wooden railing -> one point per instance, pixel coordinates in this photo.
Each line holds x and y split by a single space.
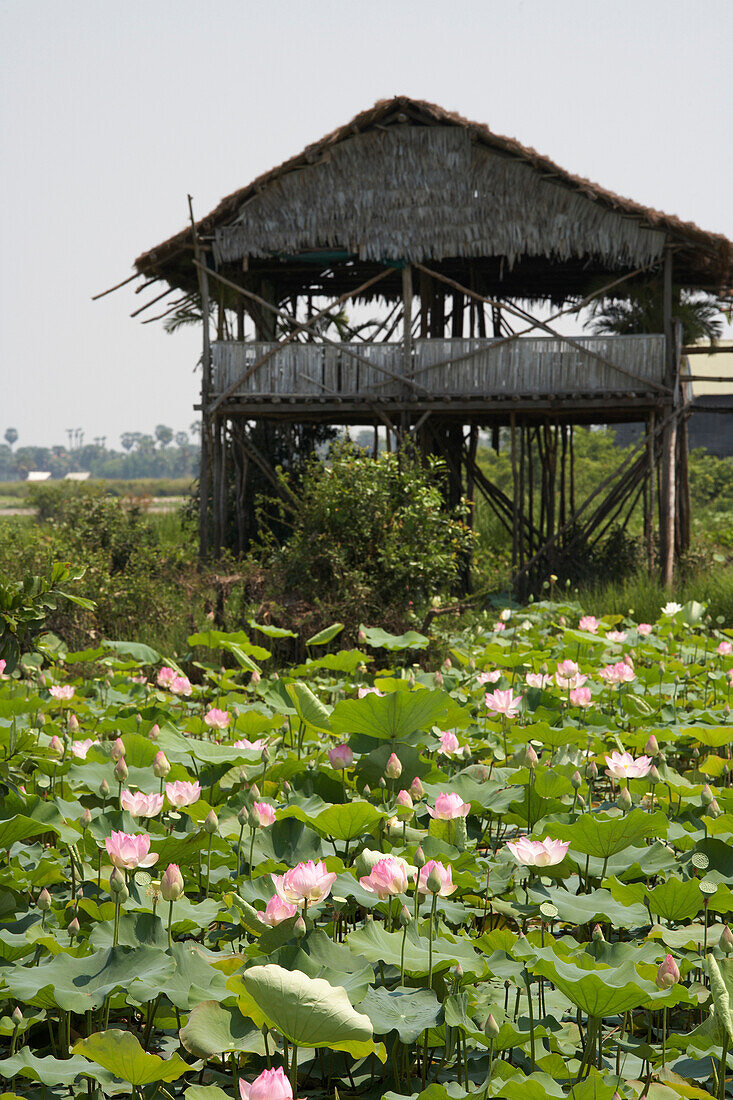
529 366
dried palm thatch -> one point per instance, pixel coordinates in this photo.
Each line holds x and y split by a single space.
409 180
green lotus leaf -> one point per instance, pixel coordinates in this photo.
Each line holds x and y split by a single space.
309 1012
50 1071
20 827
378 945
213 1028
120 1053
381 639
393 717
205 1092
346 660
676 899
605 835
407 1011
720 973
601 991
308 708
319 957
326 635
348 821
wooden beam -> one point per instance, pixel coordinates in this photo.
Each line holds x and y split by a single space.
205 383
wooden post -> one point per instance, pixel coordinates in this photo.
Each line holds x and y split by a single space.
683 488
668 502
205 393
407 320
515 493
651 480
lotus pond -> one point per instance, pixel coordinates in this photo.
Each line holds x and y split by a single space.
506 876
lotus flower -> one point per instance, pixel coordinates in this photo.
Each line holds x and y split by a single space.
404 799
388 877
141 805
181 685
166 676
448 807
537 679
63 692
644 629
81 748
56 745
581 697
442 873
668 973
272 1084
620 673
2 669
616 636
369 691
171 884
340 757
489 677
671 608
724 649
265 812
306 883
449 744
128 851
393 770
498 627
276 911
621 765
182 793
217 719
503 702
589 623
538 853
257 745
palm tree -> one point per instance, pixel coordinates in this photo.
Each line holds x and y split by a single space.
11 436
643 311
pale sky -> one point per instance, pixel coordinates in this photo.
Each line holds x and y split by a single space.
110 113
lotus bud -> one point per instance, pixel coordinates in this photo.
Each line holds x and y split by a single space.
253 819
404 799
598 936
367 790
382 783
118 749
714 809
447 664
265 755
581 802
437 677
591 772
299 927
73 723
706 795
434 881
668 973
725 943
56 746
652 746
624 800
420 860
44 900
255 677
394 767
116 881
17 1017
654 777
86 818
73 928
104 788
416 789
41 720
491 1028
576 780
472 665
405 916
123 895
161 765
530 757
211 824
695 753
171 884
154 731
121 770
361 637
255 792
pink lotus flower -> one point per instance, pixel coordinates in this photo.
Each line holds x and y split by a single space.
166 676
644 629
369 691
616 636
581 697
182 793
621 765
503 702
568 675
250 746
724 649
276 911
620 673
2 669
272 1084
128 851
265 812
589 623
181 685
489 677
404 799
448 807
445 875
538 853
306 883
449 745
537 679
63 692
81 748
498 627
217 719
340 757
388 877
141 805
568 668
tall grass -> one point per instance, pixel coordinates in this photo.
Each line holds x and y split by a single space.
643 596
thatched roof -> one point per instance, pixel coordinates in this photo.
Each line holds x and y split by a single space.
407 180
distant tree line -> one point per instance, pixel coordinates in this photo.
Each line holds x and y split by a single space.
164 454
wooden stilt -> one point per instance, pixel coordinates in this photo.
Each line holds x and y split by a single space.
515 493
651 482
205 392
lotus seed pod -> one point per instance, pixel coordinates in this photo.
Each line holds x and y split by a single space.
394 767
104 788
530 757
299 927
211 824
44 900
420 860
598 936
73 928
17 1017
652 746
161 765
116 881
73 723
86 818
434 881
706 795
668 973
491 1028
624 800
118 749
121 770
171 884
576 780
725 943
